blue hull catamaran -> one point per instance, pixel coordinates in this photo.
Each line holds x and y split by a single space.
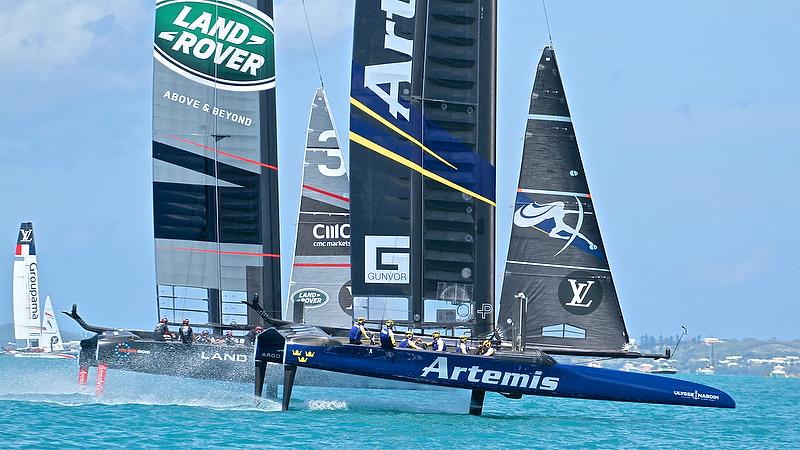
422 160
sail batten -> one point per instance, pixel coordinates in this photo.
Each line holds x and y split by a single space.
557 289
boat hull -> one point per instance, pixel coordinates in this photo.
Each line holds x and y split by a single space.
45 355
204 361
510 375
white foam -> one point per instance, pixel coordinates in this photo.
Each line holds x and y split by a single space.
326 405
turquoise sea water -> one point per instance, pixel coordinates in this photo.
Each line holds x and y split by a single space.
42 406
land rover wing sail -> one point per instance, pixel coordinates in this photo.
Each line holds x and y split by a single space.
215 179
422 155
557 289
319 291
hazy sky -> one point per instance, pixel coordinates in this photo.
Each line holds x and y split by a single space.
687 114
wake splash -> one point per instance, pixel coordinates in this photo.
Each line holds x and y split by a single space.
55 381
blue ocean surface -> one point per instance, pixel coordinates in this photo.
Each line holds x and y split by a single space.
41 406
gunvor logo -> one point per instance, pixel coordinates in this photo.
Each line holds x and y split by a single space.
222 43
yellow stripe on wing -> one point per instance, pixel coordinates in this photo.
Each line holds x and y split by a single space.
412 165
397 130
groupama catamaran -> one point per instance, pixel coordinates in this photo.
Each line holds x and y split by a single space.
422 157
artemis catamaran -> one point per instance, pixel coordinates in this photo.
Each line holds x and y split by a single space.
422 159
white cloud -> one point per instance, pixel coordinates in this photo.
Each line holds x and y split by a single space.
330 19
38 36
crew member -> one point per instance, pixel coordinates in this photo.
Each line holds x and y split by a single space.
229 339
486 349
161 331
185 333
250 338
438 343
462 345
358 331
387 335
409 341
204 338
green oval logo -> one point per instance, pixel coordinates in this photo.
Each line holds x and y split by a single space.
312 297
219 43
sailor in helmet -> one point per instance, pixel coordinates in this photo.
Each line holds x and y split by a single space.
358 331
204 338
409 341
387 335
161 331
185 333
486 349
229 339
438 344
462 346
250 338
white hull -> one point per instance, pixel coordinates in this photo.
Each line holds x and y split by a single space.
44 355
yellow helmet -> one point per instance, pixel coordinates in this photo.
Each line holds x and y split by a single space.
436 334
463 338
361 319
410 333
487 343
390 323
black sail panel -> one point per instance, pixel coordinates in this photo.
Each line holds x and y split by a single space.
422 162
557 288
215 197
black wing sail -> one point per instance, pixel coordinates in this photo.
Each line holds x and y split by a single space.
556 259
215 180
422 162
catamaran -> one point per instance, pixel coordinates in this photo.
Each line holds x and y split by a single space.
215 189
422 161
35 327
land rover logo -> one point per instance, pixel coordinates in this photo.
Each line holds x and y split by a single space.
313 298
580 293
218 43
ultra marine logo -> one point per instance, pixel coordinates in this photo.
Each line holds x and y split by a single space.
218 43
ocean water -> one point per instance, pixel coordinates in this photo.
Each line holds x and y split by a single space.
41 406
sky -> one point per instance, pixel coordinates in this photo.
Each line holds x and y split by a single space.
687 115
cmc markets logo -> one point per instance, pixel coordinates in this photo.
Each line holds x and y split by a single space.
218 43
387 259
580 293
312 297
331 231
